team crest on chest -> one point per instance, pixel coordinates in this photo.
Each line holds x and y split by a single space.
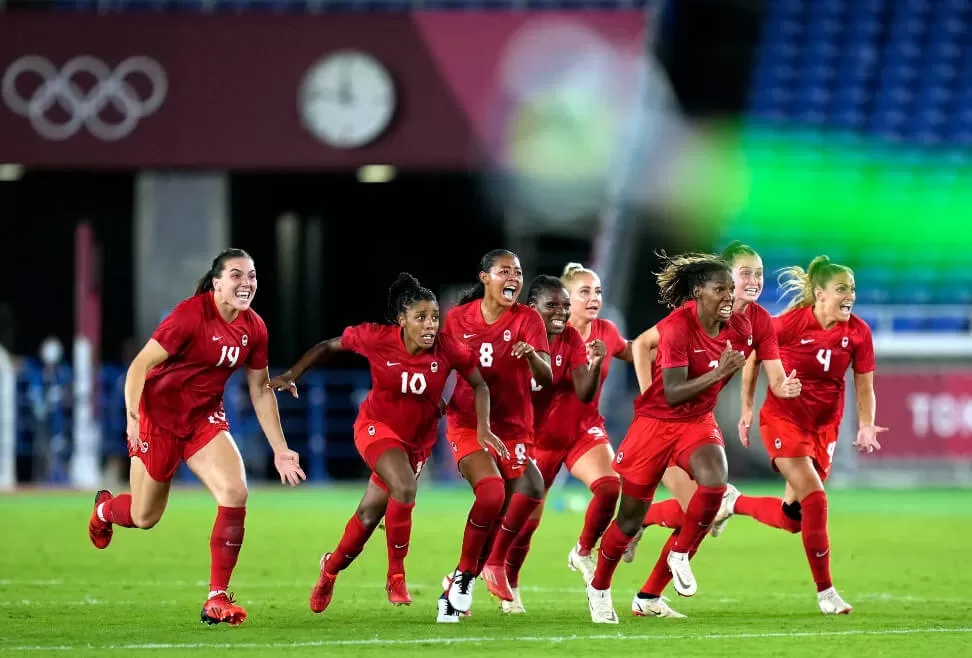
507 335
844 341
434 366
749 341
559 360
244 340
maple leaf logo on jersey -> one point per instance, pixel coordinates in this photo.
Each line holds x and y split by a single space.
244 339
371 430
507 336
434 366
843 341
559 360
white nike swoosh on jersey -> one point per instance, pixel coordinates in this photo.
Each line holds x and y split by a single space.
468 335
390 364
697 351
806 341
216 337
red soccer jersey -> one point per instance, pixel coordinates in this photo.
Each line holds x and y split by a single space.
406 388
765 342
204 350
821 358
555 416
508 378
682 342
590 413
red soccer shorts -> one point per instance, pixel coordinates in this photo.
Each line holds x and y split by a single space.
652 445
784 439
161 450
372 438
549 460
464 442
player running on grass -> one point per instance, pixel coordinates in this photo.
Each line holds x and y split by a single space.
509 342
174 398
395 430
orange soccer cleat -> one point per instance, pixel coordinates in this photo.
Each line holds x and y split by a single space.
496 582
321 595
222 608
100 532
398 590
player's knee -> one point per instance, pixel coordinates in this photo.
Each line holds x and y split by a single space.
490 495
146 519
531 487
404 490
370 515
608 487
232 494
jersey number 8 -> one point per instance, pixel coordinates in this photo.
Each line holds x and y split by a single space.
486 355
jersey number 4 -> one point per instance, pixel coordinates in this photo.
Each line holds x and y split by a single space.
823 358
415 384
229 356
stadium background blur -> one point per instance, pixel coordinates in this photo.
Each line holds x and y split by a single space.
595 131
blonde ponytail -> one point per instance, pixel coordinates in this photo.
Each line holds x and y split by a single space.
800 285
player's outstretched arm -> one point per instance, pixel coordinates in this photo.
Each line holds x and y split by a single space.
268 414
867 431
539 362
750 377
642 354
481 402
287 381
150 356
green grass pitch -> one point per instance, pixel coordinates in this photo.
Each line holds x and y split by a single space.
900 557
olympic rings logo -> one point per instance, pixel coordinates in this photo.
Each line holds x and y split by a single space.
84 109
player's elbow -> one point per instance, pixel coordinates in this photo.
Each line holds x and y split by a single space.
672 398
585 392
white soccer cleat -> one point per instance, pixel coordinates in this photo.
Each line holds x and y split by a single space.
656 607
682 577
601 605
726 510
831 604
447 614
514 607
629 552
460 592
582 563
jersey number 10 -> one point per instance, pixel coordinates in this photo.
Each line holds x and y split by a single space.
415 384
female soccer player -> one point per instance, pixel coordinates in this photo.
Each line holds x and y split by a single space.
700 347
174 398
395 429
747 276
748 281
576 370
509 342
820 338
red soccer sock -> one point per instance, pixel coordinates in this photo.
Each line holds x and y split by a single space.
224 546
701 510
490 495
667 514
613 544
520 509
816 540
487 546
600 511
768 511
661 575
398 532
356 535
516 556
118 511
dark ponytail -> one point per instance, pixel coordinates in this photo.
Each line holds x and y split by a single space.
405 291
205 284
485 265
